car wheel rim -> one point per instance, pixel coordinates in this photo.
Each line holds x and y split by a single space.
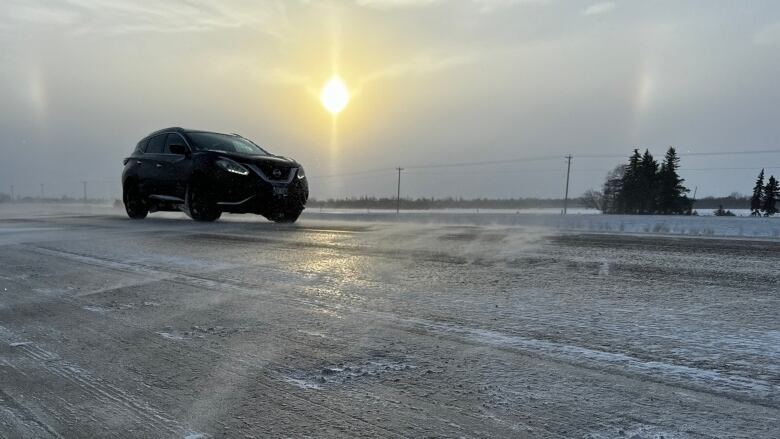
198 203
132 200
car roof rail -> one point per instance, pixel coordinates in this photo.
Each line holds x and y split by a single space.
178 129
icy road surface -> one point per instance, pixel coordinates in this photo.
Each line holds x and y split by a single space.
242 328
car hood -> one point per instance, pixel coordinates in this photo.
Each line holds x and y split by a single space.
273 160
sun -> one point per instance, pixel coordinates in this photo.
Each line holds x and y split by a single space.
334 95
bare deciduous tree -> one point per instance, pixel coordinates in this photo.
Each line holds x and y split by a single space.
593 199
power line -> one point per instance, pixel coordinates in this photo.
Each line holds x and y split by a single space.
488 162
684 169
730 168
552 170
766 151
548 158
586 156
514 171
357 173
542 170
706 153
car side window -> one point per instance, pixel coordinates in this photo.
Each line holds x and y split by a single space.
156 144
172 139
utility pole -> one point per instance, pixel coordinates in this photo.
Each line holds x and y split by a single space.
398 194
566 195
85 190
12 193
41 191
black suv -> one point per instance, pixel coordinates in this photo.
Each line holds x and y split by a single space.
204 174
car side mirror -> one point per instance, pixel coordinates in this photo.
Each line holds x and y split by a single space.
178 149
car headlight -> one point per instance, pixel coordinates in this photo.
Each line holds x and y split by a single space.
301 172
231 166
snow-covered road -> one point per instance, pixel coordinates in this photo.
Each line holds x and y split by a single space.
242 328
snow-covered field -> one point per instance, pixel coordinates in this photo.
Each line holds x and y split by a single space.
350 324
577 221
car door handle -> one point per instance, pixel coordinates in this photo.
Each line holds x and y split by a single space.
140 162
158 165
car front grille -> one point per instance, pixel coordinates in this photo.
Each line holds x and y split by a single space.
274 172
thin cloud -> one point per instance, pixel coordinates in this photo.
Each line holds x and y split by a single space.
768 35
421 64
281 76
390 4
128 16
487 6
599 8
32 13
482 5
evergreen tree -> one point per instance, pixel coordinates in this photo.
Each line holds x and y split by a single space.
629 198
647 184
722 212
671 192
756 200
771 191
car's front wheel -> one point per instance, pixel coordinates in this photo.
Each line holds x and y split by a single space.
286 215
201 204
135 205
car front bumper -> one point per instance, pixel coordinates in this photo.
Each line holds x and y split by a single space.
254 194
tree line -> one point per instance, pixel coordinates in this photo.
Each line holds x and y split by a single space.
765 196
642 186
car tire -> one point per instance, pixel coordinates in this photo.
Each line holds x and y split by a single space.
135 205
289 215
201 204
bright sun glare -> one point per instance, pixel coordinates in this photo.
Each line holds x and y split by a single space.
334 95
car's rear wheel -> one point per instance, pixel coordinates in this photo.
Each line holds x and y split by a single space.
201 204
135 205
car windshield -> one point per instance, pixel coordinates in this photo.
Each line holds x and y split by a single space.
224 142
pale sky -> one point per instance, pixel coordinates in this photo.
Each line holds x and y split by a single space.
432 82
